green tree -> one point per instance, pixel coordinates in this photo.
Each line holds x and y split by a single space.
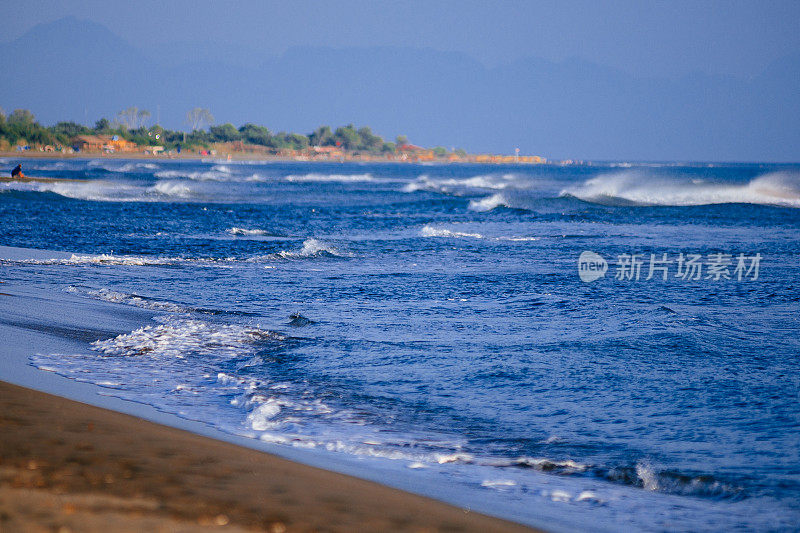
347 137
255 134
21 117
225 133
65 131
322 136
369 141
22 125
440 151
299 142
70 129
401 140
102 125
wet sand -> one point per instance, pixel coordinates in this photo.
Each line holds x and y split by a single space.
68 466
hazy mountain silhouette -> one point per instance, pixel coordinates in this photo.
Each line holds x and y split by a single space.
79 70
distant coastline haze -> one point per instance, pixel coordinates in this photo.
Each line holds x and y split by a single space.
600 81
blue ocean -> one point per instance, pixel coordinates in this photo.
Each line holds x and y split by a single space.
595 347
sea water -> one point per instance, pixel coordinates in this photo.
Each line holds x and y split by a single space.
432 322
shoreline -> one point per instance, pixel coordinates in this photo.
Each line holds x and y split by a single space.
242 156
48 458
65 464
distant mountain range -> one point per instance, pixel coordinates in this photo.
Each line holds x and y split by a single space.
78 70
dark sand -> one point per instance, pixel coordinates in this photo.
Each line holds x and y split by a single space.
67 466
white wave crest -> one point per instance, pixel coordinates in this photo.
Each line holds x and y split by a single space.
311 248
104 259
648 476
262 417
498 483
462 185
544 464
171 188
129 299
96 190
489 203
107 191
126 167
210 175
638 188
431 231
247 232
340 178
134 166
178 337
59 165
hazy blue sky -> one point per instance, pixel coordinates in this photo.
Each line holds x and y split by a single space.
699 80
642 38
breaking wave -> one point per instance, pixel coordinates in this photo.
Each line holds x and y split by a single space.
638 188
116 260
171 189
217 173
643 475
107 191
143 302
311 248
179 337
59 165
461 186
247 232
431 231
111 259
512 199
489 203
125 167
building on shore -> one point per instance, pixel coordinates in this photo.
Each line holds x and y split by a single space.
103 143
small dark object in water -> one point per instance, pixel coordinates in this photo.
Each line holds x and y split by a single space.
298 320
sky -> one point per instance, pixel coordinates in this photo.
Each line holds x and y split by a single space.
580 79
648 39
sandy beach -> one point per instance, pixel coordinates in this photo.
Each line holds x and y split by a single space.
68 466
71 466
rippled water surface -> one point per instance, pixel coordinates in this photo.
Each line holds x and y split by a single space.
431 319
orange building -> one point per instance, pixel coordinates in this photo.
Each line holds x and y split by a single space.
118 144
89 143
99 143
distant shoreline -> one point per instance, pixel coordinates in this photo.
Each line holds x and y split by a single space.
192 156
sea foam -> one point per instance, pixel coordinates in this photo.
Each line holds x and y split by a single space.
461 186
311 248
244 232
177 337
635 187
432 231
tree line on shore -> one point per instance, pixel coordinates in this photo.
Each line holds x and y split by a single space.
21 127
